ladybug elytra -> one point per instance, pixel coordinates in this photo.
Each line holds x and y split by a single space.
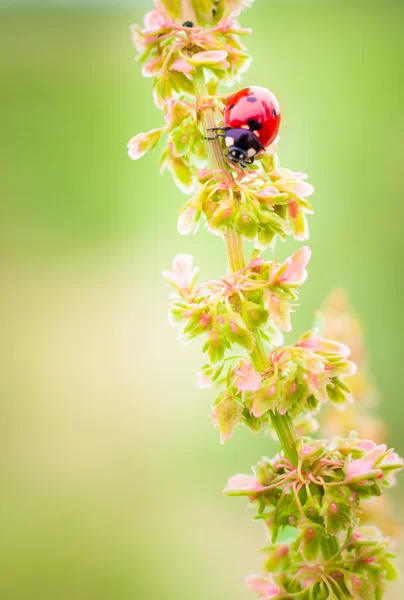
252 117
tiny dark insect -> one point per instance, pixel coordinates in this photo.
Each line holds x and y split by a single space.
252 118
188 24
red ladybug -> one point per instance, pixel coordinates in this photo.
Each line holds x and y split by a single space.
252 117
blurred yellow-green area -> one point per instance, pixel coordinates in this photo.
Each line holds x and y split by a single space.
111 472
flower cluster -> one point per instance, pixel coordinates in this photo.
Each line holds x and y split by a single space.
258 207
313 491
271 201
338 321
297 378
359 571
261 294
321 497
173 54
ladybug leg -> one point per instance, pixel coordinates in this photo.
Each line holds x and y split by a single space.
218 135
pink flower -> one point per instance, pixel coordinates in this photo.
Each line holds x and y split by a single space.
210 57
187 222
142 143
292 272
264 587
182 66
278 312
236 6
182 276
243 485
203 380
152 67
227 414
366 445
155 21
365 467
247 379
291 182
315 343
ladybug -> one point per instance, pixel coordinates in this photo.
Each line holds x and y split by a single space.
252 117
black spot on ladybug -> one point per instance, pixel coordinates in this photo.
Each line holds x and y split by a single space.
254 125
188 24
274 113
251 99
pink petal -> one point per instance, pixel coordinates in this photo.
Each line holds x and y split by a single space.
182 66
186 221
315 343
292 271
367 463
247 380
139 145
367 445
182 269
208 57
263 586
302 188
154 21
243 482
203 381
295 272
152 67
236 6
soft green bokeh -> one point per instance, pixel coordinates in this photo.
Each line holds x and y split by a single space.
111 472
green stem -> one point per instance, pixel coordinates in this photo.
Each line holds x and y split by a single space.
258 355
286 433
282 424
234 249
213 148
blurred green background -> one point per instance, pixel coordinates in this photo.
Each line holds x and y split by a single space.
111 472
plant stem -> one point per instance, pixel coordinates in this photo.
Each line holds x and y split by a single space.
234 249
282 424
213 148
286 433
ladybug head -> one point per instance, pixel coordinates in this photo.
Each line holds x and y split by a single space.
242 145
237 154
